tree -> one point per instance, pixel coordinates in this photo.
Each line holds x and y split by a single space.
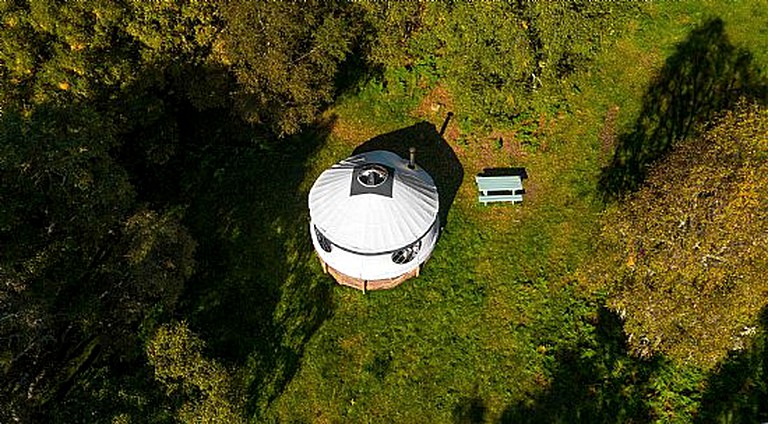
204 386
498 59
684 259
83 264
87 91
285 56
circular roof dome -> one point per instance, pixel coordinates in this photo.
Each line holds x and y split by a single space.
373 203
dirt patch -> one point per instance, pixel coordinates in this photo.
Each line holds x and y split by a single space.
506 143
435 104
435 107
452 131
607 135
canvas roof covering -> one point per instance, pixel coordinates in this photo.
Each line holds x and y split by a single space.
372 223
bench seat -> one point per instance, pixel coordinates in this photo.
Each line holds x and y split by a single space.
514 198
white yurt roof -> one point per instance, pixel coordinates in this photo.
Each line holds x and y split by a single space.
371 222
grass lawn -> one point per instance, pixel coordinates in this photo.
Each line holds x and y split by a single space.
495 329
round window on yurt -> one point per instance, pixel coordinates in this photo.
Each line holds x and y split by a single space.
373 175
324 243
403 256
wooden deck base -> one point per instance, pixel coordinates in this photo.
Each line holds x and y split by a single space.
365 285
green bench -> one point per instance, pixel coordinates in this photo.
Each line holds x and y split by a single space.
500 188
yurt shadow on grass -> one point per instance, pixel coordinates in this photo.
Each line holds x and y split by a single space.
433 153
376 216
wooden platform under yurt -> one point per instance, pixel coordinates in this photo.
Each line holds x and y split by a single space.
365 285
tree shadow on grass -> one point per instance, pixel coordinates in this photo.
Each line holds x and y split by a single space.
433 154
255 297
706 74
596 383
471 410
738 391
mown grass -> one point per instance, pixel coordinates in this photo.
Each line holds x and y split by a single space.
496 328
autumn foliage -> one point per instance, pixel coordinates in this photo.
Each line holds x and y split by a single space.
685 257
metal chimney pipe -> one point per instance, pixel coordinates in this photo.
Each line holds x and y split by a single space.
412 160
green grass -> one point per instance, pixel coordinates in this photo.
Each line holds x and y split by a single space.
470 326
496 328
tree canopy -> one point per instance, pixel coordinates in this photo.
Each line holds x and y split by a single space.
684 258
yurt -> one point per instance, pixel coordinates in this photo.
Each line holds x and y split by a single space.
374 219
